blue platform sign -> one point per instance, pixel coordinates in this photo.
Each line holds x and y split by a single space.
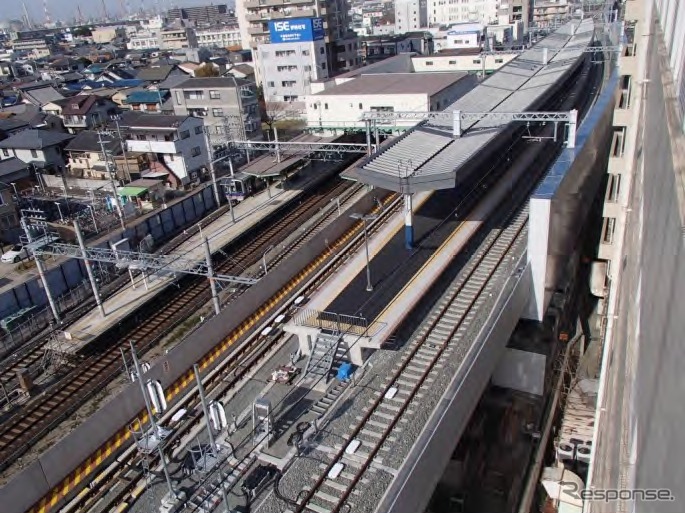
296 30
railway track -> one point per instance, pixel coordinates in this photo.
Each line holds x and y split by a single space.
102 359
448 322
241 362
30 356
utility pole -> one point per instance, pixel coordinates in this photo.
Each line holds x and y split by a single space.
41 273
212 171
89 269
108 166
115 118
210 276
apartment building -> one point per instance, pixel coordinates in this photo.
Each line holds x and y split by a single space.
444 12
34 48
548 13
143 42
227 106
295 57
410 15
254 17
220 37
176 143
177 38
201 14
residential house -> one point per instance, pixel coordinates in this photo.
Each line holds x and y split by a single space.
12 125
85 111
66 65
14 177
176 143
244 71
157 74
86 159
147 101
227 105
42 149
9 69
39 93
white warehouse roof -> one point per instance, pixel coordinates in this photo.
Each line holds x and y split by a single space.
395 83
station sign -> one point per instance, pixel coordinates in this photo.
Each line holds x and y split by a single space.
296 30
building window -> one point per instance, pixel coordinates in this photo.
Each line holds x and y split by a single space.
325 106
453 63
499 61
288 67
217 113
284 53
288 83
305 52
195 151
429 63
270 84
613 188
34 154
185 134
321 50
476 61
214 95
5 152
198 130
194 95
608 227
361 107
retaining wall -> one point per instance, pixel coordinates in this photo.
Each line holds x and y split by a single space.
65 276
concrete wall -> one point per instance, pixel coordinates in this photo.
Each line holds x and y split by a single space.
70 273
36 480
659 387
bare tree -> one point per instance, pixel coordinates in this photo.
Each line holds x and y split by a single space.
273 111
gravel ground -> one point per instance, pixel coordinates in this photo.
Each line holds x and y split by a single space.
340 425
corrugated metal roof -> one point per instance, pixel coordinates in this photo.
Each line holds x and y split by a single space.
429 148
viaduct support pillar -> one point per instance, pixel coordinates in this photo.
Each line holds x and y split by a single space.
408 222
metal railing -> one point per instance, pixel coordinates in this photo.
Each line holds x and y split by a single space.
337 323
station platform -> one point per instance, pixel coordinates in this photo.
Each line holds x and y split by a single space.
400 278
221 232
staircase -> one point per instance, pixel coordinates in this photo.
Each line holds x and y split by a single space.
323 355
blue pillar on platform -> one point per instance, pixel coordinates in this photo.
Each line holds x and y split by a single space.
408 223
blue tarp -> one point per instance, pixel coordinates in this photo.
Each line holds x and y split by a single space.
345 371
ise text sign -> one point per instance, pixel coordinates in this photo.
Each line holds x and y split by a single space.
296 30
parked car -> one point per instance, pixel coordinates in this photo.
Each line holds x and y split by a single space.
15 254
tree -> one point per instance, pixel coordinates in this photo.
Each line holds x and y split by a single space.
206 71
273 111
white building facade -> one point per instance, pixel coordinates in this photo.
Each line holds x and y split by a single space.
219 37
340 107
178 142
444 12
410 15
296 57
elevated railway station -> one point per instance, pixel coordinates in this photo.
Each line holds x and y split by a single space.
402 307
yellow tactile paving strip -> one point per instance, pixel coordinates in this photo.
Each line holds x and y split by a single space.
88 467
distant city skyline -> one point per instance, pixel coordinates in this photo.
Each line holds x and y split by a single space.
66 10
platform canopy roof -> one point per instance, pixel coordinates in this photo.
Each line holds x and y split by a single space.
429 157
